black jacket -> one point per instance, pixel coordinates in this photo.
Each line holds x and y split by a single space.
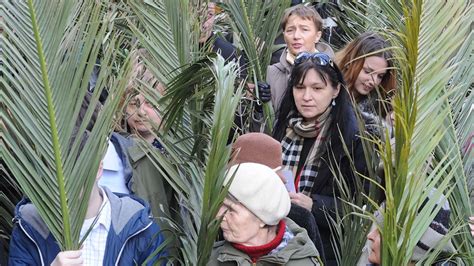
325 189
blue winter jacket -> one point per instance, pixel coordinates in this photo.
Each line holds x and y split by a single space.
132 237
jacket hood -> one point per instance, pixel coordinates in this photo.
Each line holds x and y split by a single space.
298 247
126 212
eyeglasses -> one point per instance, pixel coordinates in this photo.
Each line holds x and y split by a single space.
318 58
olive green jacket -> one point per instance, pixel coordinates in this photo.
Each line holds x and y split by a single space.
148 183
299 251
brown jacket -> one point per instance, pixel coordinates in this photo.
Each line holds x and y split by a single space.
279 73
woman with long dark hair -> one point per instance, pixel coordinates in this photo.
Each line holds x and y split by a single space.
315 124
367 66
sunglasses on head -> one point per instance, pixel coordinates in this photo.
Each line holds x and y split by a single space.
318 58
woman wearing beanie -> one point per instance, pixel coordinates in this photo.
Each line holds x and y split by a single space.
263 149
254 226
315 125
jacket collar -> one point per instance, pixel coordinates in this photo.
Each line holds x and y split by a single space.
121 144
299 247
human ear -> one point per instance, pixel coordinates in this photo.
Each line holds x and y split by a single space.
336 91
318 36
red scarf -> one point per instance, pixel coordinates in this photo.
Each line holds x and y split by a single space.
258 251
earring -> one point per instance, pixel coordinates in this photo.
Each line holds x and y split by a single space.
333 102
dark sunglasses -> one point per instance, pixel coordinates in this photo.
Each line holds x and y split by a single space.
318 58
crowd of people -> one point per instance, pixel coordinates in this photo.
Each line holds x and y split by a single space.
281 185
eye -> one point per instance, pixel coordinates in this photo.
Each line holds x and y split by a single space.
147 104
380 76
317 88
299 87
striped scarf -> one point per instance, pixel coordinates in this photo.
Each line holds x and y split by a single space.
292 145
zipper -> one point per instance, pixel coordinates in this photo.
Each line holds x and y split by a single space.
37 247
126 240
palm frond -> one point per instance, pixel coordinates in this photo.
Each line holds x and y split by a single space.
432 119
52 49
197 177
257 25
421 109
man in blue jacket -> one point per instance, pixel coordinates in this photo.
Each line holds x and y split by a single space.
124 233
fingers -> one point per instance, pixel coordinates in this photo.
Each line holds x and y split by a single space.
301 200
70 257
264 91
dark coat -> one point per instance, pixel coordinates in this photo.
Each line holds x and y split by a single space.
325 190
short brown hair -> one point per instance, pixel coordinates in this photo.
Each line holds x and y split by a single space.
139 74
305 12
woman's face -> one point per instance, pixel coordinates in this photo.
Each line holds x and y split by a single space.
141 115
374 252
313 95
300 35
239 225
371 75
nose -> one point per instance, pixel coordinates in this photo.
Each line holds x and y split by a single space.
221 212
297 34
375 80
372 80
141 109
306 94
371 235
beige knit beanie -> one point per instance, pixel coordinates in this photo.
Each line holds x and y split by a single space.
260 190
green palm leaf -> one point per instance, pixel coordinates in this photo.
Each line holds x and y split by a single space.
51 51
433 120
197 175
422 120
257 25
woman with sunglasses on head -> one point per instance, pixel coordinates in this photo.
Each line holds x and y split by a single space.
310 124
302 29
367 66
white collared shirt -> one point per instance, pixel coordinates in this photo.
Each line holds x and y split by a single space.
93 249
112 175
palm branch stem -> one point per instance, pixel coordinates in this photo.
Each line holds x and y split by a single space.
54 130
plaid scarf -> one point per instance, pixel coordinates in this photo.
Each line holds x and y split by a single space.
292 144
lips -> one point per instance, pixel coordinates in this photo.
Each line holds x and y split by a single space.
368 88
297 45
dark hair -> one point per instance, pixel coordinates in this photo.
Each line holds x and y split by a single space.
329 74
351 60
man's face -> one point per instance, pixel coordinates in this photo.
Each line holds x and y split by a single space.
208 24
